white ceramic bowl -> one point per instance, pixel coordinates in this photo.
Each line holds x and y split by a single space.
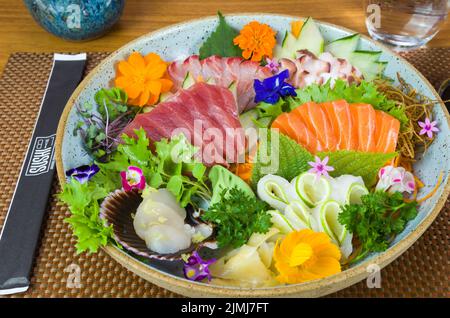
181 40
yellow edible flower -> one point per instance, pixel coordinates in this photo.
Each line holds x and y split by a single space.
305 255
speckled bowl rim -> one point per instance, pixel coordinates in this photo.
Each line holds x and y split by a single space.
309 289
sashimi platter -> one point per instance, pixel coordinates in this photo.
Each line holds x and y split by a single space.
253 155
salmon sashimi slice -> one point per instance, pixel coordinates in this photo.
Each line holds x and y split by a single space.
340 118
292 125
364 118
317 121
386 133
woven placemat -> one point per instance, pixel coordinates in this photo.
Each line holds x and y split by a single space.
422 271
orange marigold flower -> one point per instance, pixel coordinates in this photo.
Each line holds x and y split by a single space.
256 40
143 78
305 255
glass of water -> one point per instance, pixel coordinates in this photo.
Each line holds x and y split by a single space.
405 23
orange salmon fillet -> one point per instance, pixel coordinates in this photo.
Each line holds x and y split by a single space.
386 132
364 118
338 125
317 121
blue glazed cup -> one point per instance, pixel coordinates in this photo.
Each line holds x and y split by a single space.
76 20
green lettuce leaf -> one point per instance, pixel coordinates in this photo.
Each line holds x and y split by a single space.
287 159
221 41
364 164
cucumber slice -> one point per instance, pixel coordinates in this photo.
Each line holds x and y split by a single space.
287 48
367 63
211 81
312 190
369 56
310 38
343 47
280 222
188 81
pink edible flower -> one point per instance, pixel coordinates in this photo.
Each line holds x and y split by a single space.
133 178
428 127
395 179
272 65
319 167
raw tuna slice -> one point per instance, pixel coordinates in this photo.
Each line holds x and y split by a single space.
221 71
206 114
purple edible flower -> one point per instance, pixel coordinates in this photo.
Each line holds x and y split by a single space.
83 173
272 88
428 127
133 178
319 167
196 268
273 65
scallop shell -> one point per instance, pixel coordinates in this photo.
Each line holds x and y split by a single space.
118 209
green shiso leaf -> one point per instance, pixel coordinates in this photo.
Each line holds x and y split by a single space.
221 41
286 158
364 164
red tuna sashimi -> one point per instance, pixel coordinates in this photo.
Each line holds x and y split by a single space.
222 71
214 109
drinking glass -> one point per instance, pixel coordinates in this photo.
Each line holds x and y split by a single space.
405 23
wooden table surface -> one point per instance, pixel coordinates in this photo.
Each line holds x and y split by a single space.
19 32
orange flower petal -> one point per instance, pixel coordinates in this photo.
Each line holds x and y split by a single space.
325 266
166 85
296 27
125 68
144 97
136 60
133 90
122 82
155 71
154 87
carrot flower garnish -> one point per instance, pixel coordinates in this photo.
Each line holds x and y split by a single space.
305 255
256 41
143 78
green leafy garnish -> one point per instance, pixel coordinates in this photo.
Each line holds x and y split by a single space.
221 41
221 178
377 220
100 127
364 92
237 216
357 163
83 201
285 158
169 166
